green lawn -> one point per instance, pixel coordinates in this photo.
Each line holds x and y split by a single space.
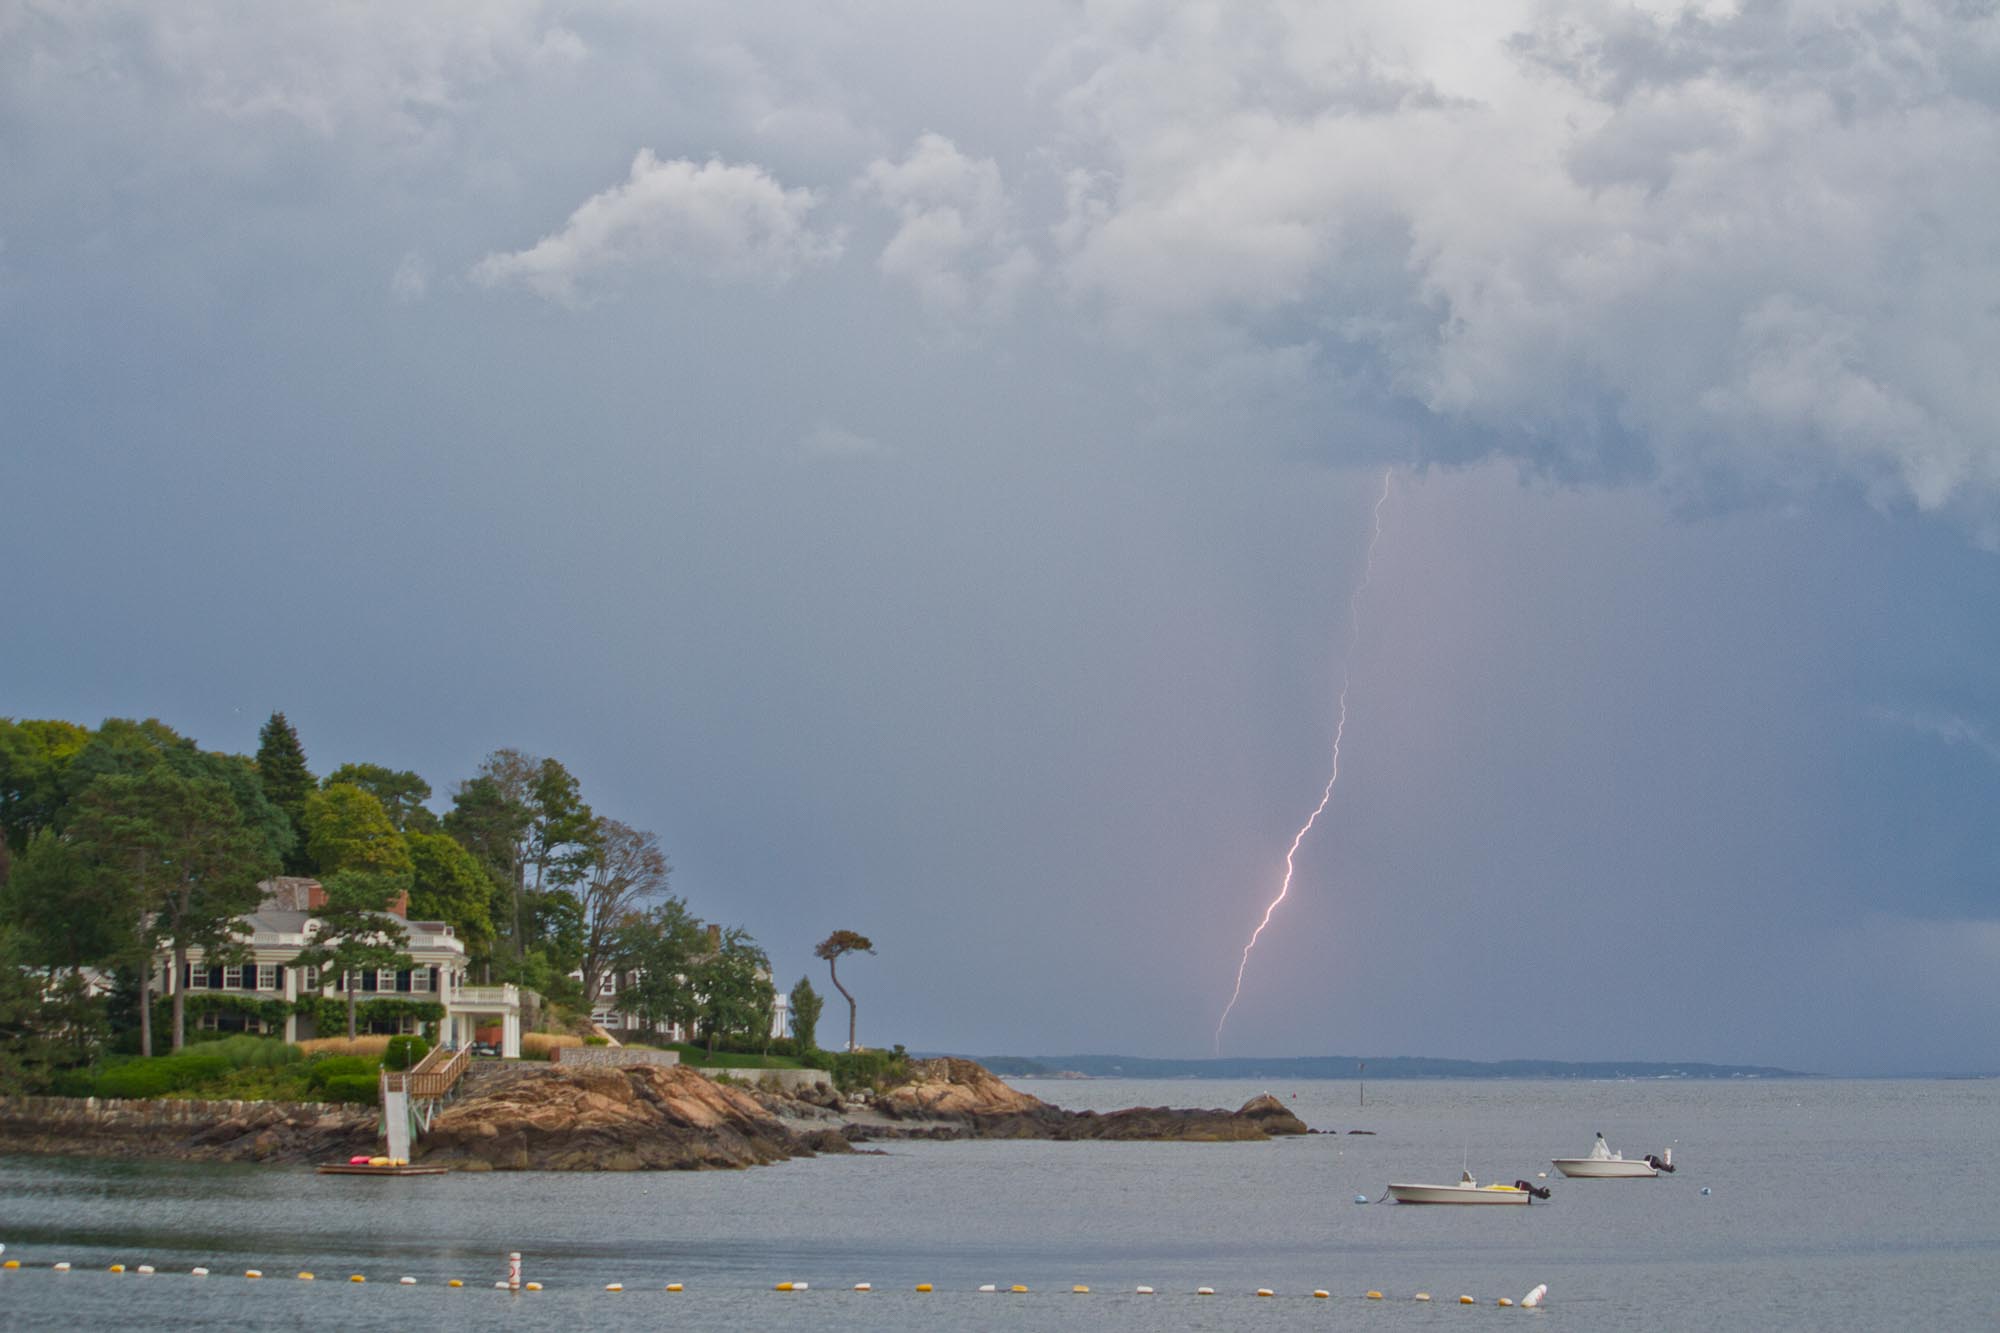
699 1057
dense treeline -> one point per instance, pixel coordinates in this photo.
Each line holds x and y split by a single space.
129 843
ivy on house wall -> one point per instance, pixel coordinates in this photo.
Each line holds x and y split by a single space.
329 1015
273 1012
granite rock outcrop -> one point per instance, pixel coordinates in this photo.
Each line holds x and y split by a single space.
638 1118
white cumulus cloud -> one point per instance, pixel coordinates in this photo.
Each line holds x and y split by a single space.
412 279
1950 728
828 440
955 243
720 220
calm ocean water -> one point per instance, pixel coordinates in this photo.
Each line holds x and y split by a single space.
1832 1204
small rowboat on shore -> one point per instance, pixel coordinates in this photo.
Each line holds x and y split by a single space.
377 1166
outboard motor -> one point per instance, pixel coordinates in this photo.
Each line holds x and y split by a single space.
1536 1191
1657 1164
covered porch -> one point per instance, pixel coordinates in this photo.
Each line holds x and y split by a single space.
469 1008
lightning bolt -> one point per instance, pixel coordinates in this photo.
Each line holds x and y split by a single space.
1340 727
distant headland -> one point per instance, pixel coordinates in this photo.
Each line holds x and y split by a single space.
1353 1066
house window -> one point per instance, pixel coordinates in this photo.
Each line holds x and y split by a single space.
608 986
309 980
232 978
197 978
420 980
267 976
385 979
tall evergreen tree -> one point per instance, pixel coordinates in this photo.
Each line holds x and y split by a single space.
805 1008
281 767
181 845
354 932
491 816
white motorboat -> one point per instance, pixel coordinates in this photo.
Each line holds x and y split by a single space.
1604 1164
1468 1190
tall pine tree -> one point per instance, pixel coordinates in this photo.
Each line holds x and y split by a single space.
281 767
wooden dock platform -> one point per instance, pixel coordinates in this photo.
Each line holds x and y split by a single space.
360 1169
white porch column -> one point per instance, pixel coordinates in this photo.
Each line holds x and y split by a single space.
510 1035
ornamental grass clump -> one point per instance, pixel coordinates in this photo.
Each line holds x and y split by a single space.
538 1045
369 1046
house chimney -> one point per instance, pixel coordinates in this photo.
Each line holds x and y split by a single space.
398 905
714 939
292 893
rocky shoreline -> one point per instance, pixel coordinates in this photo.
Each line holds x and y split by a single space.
636 1118
191 1131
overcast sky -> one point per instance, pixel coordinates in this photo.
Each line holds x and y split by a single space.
917 460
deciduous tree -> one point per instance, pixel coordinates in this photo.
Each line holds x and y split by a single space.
351 836
733 986
347 829
449 884
34 756
401 792
627 872
659 948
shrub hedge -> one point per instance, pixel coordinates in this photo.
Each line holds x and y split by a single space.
327 1068
363 1089
404 1052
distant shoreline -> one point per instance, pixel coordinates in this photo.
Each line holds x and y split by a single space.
1360 1068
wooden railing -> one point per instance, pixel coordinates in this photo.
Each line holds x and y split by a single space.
439 1072
432 1077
